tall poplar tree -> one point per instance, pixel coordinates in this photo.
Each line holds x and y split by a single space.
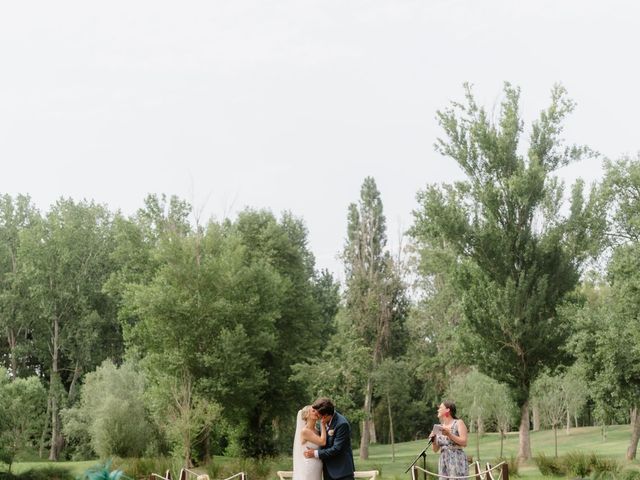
517 255
375 299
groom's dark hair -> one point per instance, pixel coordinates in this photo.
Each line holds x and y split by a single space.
324 406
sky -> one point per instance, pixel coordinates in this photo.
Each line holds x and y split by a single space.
290 104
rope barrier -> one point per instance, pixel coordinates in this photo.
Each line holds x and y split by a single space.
453 477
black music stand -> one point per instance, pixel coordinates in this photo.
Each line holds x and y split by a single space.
422 454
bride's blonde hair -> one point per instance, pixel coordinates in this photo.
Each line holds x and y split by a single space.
305 412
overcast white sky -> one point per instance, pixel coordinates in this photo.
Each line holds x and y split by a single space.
289 104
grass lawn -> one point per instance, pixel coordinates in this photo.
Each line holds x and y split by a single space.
586 439
76 468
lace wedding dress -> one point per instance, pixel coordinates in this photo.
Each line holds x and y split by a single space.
304 468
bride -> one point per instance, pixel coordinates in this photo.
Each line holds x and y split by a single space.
307 437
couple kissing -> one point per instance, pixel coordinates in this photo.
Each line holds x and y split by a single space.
325 452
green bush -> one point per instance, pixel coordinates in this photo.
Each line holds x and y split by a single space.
578 464
513 464
144 466
628 475
48 473
549 466
605 465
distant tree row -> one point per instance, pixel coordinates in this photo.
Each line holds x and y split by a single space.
155 333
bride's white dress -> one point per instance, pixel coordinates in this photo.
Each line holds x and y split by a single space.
307 468
304 468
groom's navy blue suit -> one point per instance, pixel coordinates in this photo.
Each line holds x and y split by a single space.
336 455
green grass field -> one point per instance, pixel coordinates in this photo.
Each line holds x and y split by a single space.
587 440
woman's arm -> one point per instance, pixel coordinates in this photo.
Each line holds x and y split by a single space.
461 438
312 436
434 444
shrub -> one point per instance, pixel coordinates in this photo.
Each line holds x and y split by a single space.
110 412
629 475
602 465
256 469
48 473
513 465
578 463
144 466
548 465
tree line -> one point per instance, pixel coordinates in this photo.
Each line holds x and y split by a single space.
155 333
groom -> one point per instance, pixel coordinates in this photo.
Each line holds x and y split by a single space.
336 455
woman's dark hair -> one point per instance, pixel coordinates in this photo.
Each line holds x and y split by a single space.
451 406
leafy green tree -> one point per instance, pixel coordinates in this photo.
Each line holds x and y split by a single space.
16 215
550 396
23 404
339 372
375 294
66 262
480 398
182 414
576 393
281 244
606 343
220 310
517 256
392 377
111 412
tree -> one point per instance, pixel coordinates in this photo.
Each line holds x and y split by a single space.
480 399
392 377
549 394
16 215
66 262
608 322
219 311
576 393
183 414
375 300
111 412
23 404
516 256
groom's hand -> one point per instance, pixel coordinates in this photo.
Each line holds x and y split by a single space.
308 453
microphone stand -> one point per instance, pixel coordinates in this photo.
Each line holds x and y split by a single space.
422 454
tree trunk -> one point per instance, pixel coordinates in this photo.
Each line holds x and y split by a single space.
568 422
478 440
373 436
524 447
635 435
56 436
13 361
364 437
45 430
536 418
72 388
502 435
555 439
393 447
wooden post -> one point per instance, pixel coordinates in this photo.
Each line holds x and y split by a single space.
505 471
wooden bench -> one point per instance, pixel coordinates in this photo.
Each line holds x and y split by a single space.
370 474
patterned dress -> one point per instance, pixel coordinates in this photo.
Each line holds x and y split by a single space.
453 460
